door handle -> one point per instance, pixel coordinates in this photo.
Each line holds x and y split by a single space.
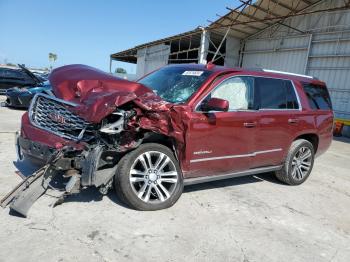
293 121
249 124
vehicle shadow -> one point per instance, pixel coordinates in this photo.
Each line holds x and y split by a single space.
25 167
237 181
270 177
92 194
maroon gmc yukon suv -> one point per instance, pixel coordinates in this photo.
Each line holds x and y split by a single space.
179 125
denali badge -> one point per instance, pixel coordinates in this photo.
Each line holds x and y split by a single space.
57 118
202 152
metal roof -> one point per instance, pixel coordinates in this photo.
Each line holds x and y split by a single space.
129 55
246 20
250 18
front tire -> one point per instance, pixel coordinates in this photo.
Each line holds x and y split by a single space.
149 178
298 164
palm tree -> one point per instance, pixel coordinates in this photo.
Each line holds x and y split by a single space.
52 58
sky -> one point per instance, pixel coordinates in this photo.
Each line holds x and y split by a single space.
87 32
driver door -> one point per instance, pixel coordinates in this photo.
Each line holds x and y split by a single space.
222 142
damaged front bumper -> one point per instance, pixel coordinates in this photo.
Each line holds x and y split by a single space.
74 168
23 196
76 164
36 153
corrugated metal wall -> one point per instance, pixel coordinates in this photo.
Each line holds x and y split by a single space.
329 60
286 53
322 51
233 46
151 58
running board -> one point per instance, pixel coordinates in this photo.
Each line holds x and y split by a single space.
205 179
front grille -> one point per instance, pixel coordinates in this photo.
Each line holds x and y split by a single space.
53 115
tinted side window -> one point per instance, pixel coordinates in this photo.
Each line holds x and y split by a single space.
275 94
318 97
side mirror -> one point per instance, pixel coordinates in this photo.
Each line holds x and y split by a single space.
216 104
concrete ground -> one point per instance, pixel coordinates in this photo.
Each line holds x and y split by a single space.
244 219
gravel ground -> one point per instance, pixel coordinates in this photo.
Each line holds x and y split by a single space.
243 219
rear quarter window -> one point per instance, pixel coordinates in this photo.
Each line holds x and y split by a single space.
318 96
275 94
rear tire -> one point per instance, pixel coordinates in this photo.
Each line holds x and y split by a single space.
298 164
149 178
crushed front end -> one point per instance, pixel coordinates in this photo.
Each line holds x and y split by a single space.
79 135
83 153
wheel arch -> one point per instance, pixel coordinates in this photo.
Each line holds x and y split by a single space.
152 137
312 138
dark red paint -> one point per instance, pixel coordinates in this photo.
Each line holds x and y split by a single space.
217 104
98 94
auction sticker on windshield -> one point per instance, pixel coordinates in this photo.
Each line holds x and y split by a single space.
192 73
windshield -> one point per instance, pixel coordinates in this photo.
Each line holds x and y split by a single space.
175 84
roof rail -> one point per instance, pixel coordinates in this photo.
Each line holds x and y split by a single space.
287 73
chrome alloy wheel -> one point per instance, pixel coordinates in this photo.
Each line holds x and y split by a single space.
153 177
301 163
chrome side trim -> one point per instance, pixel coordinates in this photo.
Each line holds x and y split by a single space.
235 156
197 180
267 151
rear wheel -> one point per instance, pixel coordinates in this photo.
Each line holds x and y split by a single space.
298 164
149 178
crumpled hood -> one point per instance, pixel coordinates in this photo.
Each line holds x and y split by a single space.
98 94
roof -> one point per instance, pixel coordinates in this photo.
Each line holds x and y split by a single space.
244 21
249 71
129 55
218 70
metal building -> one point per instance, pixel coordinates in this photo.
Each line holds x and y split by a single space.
301 36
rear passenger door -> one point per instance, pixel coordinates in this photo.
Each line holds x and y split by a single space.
278 107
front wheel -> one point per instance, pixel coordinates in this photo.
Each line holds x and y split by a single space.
298 164
149 178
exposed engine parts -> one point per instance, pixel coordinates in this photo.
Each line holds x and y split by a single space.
81 139
116 127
